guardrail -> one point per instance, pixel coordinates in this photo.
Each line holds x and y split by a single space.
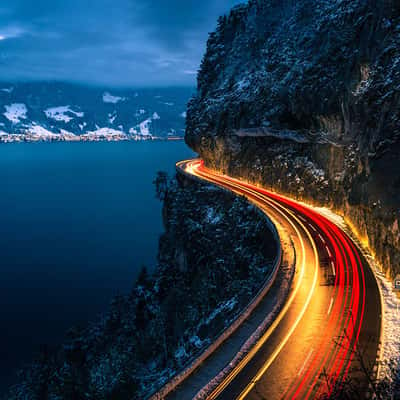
227 332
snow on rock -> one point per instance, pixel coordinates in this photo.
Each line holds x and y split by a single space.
196 341
15 112
140 112
109 98
69 135
223 307
112 117
61 113
145 127
7 90
390 338
212 217
180 353
106 133
38 131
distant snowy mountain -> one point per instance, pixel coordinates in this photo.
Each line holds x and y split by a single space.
59 111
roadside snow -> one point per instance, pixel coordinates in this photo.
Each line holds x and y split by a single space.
225 306
180 353
196 341
59 113
390 339
15 112
109 98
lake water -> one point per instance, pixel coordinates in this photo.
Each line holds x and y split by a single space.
77 221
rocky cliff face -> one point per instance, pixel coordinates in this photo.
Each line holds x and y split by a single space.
304 96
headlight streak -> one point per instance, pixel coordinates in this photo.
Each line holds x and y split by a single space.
265 337
343 352
336 318
347 273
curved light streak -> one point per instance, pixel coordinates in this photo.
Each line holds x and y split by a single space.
336 359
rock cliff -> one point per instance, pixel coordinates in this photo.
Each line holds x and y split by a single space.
304 96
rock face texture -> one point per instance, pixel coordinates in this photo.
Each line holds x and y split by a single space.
304 96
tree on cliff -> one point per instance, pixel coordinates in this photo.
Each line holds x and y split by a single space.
161 183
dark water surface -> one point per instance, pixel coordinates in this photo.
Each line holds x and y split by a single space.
77 221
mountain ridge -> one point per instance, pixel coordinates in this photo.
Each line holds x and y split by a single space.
61 111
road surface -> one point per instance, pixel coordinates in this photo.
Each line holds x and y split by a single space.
327 334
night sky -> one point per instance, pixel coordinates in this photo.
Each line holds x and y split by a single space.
106 42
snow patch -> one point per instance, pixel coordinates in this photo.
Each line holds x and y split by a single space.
225 306
69 135
61 113
145 127
7 90
196 341
156 116
15 112
112 117
212 217
391 305
180 353
109 98
106 133
184 114
40 132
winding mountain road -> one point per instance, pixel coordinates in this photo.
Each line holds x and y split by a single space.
327 335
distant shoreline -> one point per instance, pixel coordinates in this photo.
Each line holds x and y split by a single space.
24 138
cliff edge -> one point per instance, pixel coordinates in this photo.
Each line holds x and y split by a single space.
303 96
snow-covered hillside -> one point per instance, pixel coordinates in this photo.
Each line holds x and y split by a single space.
58 111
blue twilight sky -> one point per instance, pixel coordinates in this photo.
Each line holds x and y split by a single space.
107 42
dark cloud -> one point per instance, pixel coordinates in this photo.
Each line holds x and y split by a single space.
111 42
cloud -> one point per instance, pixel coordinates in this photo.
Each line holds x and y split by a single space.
10 32
190 72
108 42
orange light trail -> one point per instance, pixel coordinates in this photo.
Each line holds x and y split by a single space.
333 358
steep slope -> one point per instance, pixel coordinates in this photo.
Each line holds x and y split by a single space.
304 96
